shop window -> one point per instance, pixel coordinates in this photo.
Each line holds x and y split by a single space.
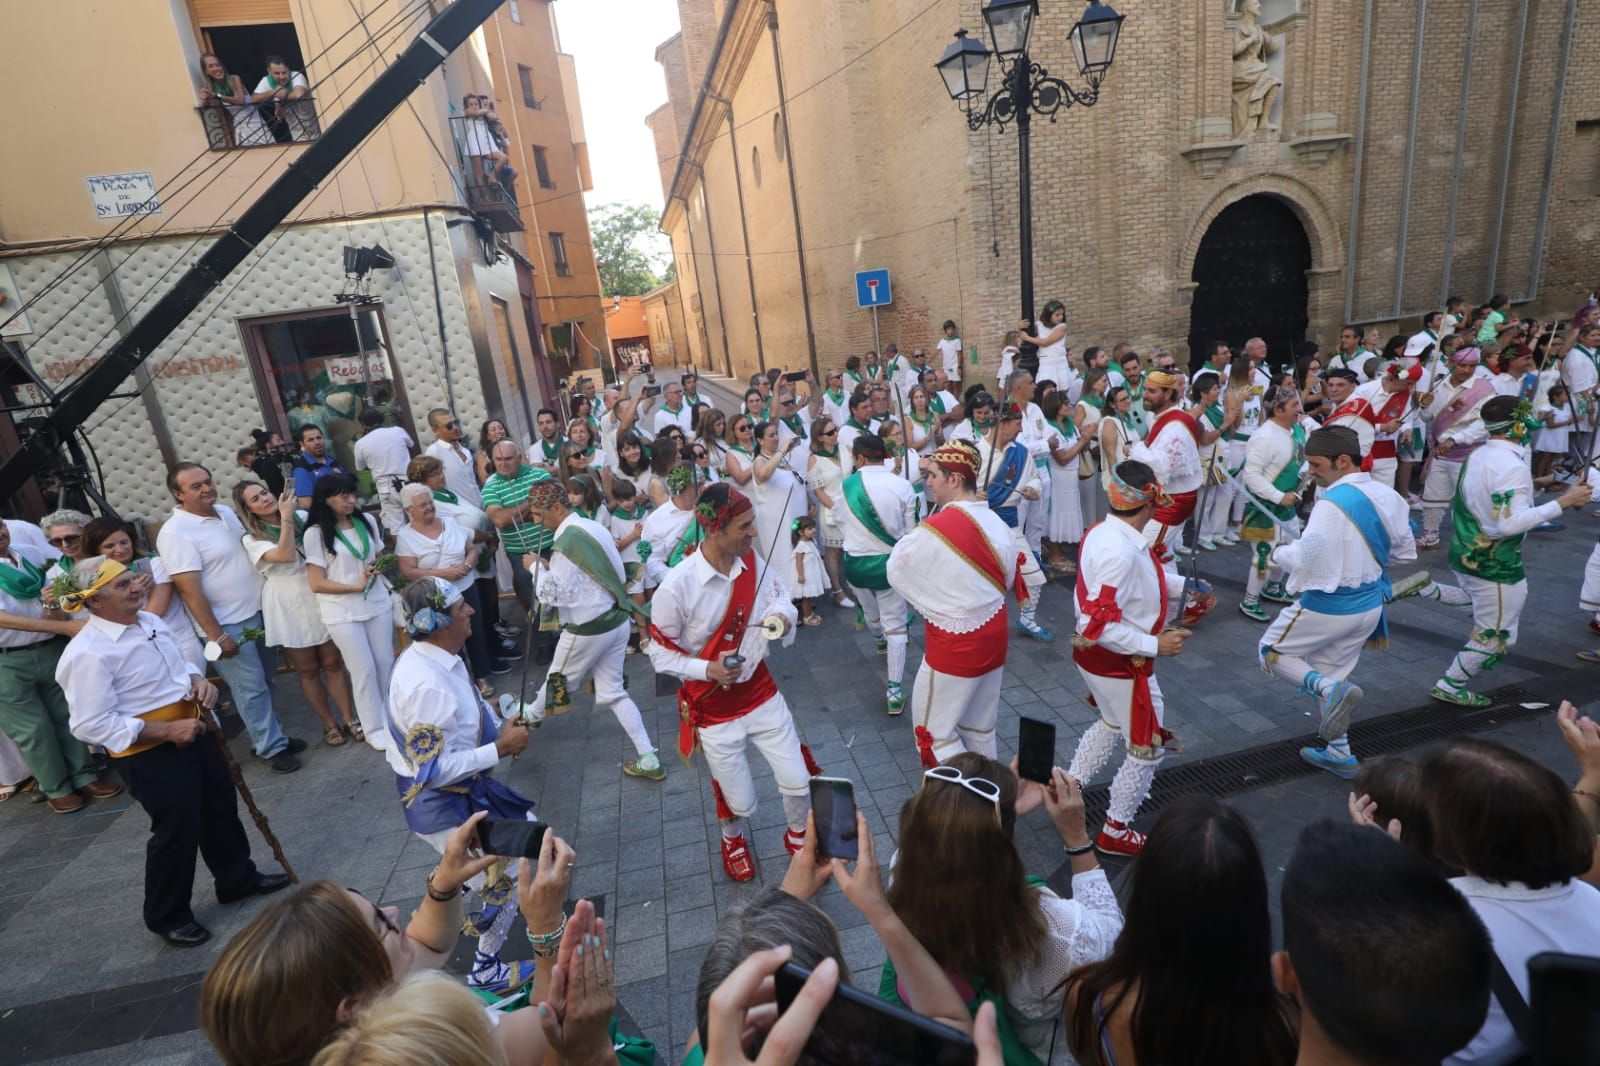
313 369
264 56
558 253
541 167
779 137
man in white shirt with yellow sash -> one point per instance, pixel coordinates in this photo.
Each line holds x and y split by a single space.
586 584
130 690
880 506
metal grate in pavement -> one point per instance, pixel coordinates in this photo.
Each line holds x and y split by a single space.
1270 764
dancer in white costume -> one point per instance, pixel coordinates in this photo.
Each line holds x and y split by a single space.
1007 478
1453 411
1492 511
955 698
1357 527
880 506
1274 475
1125 600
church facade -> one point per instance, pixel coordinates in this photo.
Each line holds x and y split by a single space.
1252 167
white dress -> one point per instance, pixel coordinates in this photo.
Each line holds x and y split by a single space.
779 500
825 474
288 606
815 582
1053 365
1066 510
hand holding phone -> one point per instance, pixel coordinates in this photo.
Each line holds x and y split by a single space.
833 804
849 1027
510 838
795 375
1036 749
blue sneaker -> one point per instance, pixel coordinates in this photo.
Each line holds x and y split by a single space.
1336 708
1037 632
1339 767
497 977
1549 527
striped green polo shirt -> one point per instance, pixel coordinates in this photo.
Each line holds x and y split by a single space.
500 491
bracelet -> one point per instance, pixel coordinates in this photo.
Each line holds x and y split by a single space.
545 945
1083 850
441 897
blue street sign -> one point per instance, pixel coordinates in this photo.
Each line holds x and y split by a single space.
872 288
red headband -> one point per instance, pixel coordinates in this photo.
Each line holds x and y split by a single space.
957 457
713 518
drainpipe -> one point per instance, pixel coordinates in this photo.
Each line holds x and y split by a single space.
744 227
794 190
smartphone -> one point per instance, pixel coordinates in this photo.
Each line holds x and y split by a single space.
859 1029
1564 998
650 390
795 375
510 838
287 470
833 802
1036 750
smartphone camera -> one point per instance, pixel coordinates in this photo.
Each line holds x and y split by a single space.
833 808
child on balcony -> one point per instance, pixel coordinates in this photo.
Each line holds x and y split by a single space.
490 162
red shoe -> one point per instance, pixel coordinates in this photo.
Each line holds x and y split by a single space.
1115 838
736 859
793 842
1594 625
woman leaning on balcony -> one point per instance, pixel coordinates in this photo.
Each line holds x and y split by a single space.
230 119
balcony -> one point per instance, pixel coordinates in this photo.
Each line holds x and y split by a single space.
229 126
489 180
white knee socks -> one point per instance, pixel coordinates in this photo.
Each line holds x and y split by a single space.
897 656
795 809
1094 749
632 723
1130 787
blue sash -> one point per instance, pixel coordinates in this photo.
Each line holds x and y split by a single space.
1013 466
430 808
1360 598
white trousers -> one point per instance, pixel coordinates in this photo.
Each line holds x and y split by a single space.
1214 520
1496 608
1233 452
1438 489
1033 516
886 613
1090 500
390 513
601 656
1383 471
1330 644
368 651
770 727
1589 598
960 712
1032 576
1113 698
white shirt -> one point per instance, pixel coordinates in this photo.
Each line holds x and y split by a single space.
460 477
1035 432
17 638
567 587
987 466
962 599
1332 554
29 535
1581 368
447 550
664 417
1269 451
343 567
430 686
690 605
1252 415
896 503
1493 468
663 528
950 356
1510 384
1522 922
1078 931
1115 554
210 546
386 451
1173 455
1464 429
111 673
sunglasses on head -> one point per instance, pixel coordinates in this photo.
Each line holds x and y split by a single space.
981 787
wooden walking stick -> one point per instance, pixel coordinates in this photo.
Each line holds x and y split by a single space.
243 789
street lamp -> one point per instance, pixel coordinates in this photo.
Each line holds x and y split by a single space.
1027 89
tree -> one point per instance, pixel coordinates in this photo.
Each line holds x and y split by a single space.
628 248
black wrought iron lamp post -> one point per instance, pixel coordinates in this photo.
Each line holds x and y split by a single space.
1026 89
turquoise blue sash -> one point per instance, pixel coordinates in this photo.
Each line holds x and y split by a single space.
1360 598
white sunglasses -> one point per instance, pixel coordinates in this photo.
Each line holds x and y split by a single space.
978 786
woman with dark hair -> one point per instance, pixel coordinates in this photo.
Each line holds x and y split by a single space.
1050 334
1190 977
961 890
1086 415
709 431
1065 528
632 464
777 492
341 550
740 459
1116 436
1239 393
1308 379
1511 825
755 405
493 431
117 539
1216 423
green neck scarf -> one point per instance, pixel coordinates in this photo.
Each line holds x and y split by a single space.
220 88
361 534
1067 428
1214 414
826 453
1095 400
446 496
835 396
551 451
24 584
921 420
630 515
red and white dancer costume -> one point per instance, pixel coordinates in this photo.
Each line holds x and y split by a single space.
1172 450
1125 600
1454 419
700 616
1380 402
955 569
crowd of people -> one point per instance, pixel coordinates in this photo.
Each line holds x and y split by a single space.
641 519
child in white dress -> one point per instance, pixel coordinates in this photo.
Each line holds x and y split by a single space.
1550 443
809 579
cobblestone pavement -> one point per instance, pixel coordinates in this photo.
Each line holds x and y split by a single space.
83 982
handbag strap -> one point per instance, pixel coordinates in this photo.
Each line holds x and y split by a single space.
1516 1008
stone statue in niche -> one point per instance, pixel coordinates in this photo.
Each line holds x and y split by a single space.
1255 86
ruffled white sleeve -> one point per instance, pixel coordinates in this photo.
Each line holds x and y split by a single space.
1078 931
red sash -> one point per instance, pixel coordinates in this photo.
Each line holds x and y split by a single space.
961 534
1354 406
1174 414
1182 507
703 703
968 654
1143 729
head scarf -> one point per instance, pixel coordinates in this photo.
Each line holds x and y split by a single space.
107 572
713 518
1124 497
1519 427
542 494
1333 441
1163 379
957 457
428 619
1467 355
1410 374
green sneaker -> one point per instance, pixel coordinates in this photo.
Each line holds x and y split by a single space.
1252 609
1276 593
1446 693
1409 586
647 766
882 644
896 699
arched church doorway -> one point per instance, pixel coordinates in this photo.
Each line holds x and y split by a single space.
1251 273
